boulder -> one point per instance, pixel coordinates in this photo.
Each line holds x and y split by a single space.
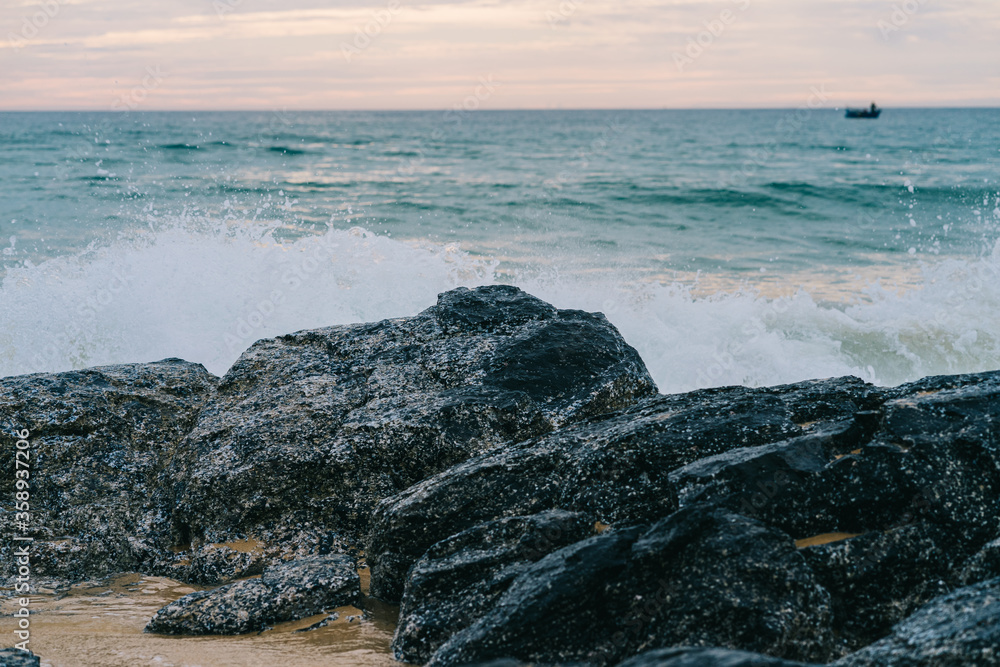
927 454
888 504
706 657
98 441
614 468
15 657
307 432
982 566
960 628
877 579
703 576
457 581
285 592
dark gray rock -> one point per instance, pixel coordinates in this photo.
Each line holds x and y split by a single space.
308 431
285 592
15 657
877 579
706 657
321 624
982 566
615 469
212 563
961 628
493 419
457 581
933 456
98 441
930 453
916 479
702 576
756 474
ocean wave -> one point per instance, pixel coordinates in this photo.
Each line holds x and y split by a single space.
205 291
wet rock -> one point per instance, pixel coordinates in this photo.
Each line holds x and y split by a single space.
457 581
98 441
703 576
829 400
615 469
285 592
932 456
918 485
212 563
309 431
505 662
321 624
982 566
877 579
952 425
754 473
961 628
706 657
15 657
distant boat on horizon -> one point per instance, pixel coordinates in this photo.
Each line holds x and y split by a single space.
867 112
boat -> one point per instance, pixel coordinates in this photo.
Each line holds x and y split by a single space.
867 112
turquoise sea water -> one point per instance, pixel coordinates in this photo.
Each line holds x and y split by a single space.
728 246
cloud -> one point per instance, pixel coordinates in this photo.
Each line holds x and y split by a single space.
588 53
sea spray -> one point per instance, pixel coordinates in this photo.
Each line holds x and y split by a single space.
206 292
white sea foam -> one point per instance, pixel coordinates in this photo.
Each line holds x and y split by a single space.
206 293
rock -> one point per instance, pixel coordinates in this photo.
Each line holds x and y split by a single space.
515 480
285 592
960 628
321 624
984 565
308 431
829 400
615 468
98 440
757 473
15 657
933 453
918 485
703 576
457 581
952 425
932 457
212 563
877 579
706 657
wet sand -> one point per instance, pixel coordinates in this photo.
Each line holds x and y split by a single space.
101 624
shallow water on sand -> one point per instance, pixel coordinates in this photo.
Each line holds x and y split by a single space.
101 623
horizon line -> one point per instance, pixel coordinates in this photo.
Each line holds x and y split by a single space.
511 109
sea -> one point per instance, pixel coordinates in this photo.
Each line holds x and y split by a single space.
752 247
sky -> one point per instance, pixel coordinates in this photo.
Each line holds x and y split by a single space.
496 54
